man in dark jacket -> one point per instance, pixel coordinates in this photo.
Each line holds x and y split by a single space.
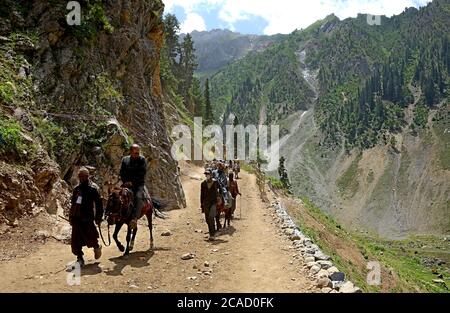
208 201
132 173
82 216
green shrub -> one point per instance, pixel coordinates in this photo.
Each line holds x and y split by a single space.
7 92
49 131
11 140
93 21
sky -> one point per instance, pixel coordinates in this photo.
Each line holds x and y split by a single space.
270 17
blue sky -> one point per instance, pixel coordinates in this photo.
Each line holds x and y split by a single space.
274 16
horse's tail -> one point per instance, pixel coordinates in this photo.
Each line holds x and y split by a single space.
159 205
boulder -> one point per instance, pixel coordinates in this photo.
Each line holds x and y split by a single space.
310 259
319 255
323 273
325 264
166 233
314 269
324 282
311 264
187 256
348 287
337 276
332 270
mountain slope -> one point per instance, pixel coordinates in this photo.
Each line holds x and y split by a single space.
371 148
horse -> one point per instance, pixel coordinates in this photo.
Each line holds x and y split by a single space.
118 212
225 208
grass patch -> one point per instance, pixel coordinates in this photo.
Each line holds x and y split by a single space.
406 258
348 183
276 183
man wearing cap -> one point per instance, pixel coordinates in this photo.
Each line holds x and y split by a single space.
82 215
208 200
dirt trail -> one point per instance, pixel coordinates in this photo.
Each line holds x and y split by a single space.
252 256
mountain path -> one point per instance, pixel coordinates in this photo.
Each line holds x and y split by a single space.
251 256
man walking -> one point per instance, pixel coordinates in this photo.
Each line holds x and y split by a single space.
82 216
208 199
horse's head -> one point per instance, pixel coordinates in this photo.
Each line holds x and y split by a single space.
118 205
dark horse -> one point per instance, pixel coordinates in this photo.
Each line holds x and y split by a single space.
118 212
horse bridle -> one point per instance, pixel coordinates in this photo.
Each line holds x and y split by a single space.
101 235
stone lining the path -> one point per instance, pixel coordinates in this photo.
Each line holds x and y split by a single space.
328 278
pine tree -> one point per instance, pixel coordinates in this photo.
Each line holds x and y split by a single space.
169 53
171 38
282 172
208 117
198 99
187 65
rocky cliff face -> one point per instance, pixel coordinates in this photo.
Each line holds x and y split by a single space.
83 93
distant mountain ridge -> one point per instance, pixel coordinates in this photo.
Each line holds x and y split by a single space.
218 48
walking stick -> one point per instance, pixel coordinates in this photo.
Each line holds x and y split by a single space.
240 207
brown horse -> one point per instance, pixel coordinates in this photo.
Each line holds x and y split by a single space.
222 208
118 212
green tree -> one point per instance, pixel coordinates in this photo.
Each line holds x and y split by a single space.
209 118
198 99
187 66
171 38
282 172
169 53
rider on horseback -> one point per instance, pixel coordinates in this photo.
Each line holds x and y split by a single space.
221 176
132 173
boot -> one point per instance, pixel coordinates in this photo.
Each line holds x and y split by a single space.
98 252
80 261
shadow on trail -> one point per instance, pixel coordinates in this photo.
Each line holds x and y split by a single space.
217 242
227 231
138 259
91 269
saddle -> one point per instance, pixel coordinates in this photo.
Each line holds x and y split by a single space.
120 205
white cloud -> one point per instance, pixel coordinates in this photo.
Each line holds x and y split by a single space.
193 22
283 16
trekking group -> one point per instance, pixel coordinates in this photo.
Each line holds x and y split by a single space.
219 194
128 203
